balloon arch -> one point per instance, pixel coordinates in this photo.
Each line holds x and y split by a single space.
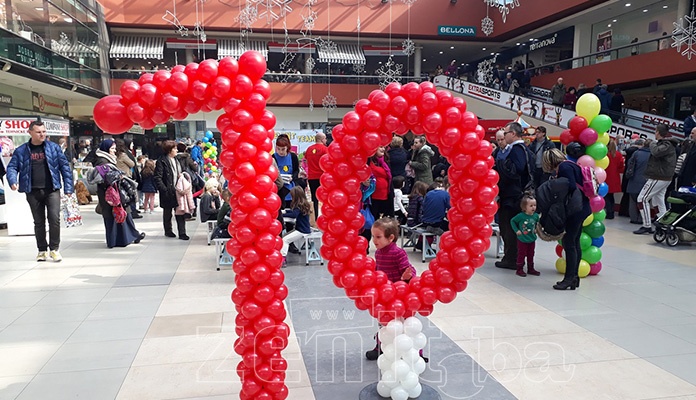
247 137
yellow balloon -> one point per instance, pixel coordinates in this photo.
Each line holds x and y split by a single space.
588 220
603 163
561 266
603 138
583 269
588 106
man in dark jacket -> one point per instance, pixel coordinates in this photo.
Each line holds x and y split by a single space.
36 168
420 163
660 170
558 91
537 149
514 177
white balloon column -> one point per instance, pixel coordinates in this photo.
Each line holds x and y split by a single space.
401 363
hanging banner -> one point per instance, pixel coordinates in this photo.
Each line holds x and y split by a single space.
300 139
603 44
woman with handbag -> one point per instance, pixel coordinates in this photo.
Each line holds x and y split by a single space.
118 234
167 172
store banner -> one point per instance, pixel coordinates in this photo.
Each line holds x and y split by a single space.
534 108
603 44
300 139
649 121
49 105
20 126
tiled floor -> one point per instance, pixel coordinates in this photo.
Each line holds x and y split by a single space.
155 321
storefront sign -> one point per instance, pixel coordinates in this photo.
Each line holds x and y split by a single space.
539 94
34 57
543 43
191 44
604 43
647 121
49 104
447 30
5 100
534 108
20 126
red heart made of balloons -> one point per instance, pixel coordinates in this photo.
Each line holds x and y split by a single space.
473 188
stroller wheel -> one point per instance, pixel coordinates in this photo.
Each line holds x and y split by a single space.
672 239
660 235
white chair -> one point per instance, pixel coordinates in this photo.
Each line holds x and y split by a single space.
312 242
223 257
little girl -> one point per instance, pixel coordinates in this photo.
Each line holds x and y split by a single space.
415 203
399 210
390 259
524 225
148 189
299 209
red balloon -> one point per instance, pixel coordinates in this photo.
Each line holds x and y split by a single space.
252 64
136 113
160 116
207 70
228 67
178 83
170 103
577 124
148 94
129 90
199 90
145 78
242 86
222 87
263 88
160 79
111 116
566 137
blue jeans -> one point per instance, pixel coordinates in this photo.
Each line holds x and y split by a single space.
41 200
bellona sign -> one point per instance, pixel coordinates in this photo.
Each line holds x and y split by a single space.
447 30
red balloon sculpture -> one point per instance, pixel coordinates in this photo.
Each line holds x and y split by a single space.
247 135
446 123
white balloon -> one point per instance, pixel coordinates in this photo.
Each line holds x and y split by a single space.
412 326
396 327
385 335
401 369
411 356
389 351
399 393
403 344
410 381
416 391
389 379
383 389
419 341
383 362
419 366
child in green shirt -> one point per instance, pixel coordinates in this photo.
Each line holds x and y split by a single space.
524 224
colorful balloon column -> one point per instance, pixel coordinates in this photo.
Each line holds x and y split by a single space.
247 134
210 155
594 136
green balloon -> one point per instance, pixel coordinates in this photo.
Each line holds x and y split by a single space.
592 254
601 215
595 229
597 151
601 123
585 241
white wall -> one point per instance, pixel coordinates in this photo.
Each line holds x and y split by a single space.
287 117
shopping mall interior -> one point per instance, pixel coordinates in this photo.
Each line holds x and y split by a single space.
157 319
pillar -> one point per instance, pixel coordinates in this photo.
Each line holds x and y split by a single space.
417 61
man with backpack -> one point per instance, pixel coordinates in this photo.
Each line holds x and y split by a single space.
513 168
660 170
537 148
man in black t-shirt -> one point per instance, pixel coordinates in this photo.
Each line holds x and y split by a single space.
36 169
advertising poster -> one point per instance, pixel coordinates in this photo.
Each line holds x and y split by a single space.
603 43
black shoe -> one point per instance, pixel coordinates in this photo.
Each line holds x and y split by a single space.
609 217
169 234
293 249
136 215
140 237
184 237
566 285
373 354
643 230
637 222
500 264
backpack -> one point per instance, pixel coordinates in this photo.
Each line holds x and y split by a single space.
590 184
555 203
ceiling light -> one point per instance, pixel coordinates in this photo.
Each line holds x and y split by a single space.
451 47
492 54
645 10
424 60
665 6
484 49
38 8
628 4
379 62
613 20
517 44
68 20
531 39
6 67
608 25
440 52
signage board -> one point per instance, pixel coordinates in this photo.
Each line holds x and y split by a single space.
49 104
451 30
20 126
5 100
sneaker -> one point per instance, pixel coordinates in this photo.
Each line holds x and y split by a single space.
55 256
184 237
42 256
643 230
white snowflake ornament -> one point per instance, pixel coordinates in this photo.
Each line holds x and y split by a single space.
310 64
248 16
484 72
684 35
487 26
389 72
329 102
311 104
358 68
409 47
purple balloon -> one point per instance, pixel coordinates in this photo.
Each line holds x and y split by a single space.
597 204
595 268
588 136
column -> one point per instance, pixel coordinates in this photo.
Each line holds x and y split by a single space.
417 61
683 8
582 44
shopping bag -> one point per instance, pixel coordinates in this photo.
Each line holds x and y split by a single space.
71 210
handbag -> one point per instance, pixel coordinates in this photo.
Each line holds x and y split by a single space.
71 210
369 218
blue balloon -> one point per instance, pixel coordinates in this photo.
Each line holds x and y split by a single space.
209 134
598 242
205 139
603 189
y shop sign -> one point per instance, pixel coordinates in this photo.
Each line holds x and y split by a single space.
20 126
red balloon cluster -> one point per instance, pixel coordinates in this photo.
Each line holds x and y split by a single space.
247 134
446 123
575 127
206 86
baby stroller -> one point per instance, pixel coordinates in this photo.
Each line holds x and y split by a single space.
679 223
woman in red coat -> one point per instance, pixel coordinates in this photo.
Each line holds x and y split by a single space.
382 198
614 171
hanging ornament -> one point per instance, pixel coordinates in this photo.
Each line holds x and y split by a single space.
329 102
487 26
311 104
171 18
310 64
484 71
408 2
408 47
389 72
247 16
327 46
309 20
269 9
358 68
684 34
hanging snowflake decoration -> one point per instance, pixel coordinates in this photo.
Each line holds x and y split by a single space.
684 34
329 102
310 64
248 16
64 40
408 47
408 2
327 46
270 7
389 72
484 72
311 104
309 20
358 68
487 26
505 6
